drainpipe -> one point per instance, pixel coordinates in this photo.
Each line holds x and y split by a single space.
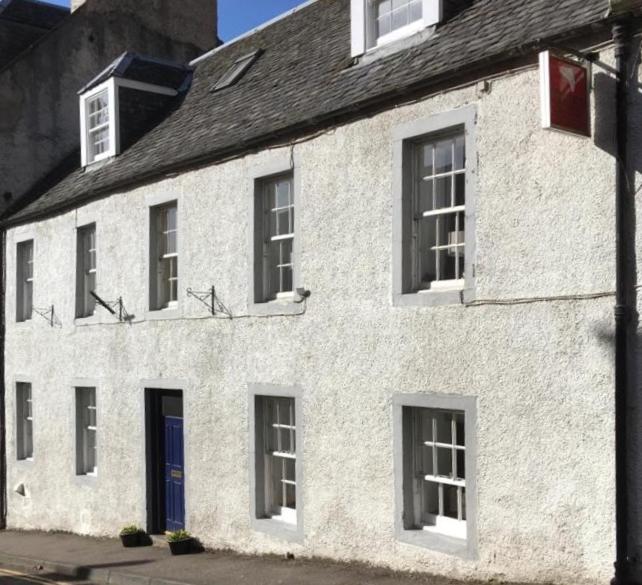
623 295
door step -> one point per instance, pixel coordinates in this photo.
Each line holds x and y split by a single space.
159 540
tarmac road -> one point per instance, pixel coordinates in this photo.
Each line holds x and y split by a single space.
8 577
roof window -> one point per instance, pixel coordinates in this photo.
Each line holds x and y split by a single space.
237 70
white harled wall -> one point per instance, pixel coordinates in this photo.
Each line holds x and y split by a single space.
542 372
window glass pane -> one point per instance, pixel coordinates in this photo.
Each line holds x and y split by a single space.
286 283
444 156
461 464
170 245
426 152
416 12
460 152
460 190
427 257
283 194
384 25
28 300
286 441
444 428
285 251
461 429
384 7
290 470
290 496
450 501
463 503
431 497
282 222
443 192
444 462
170 218
399 18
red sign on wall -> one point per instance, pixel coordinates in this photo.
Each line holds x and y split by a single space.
565 94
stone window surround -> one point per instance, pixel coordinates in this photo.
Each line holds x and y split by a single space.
274 165
23 234
281 530
403 137
22 380
84 479
466 549
151 202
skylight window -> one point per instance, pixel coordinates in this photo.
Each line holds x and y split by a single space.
237 70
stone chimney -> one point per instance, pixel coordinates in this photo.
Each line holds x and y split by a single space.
76 4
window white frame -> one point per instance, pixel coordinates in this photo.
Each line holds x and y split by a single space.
410 216
164 257
86 270
276 466
86 431
24 280
24 421
364 24
276 202
109 90
267 167
435 449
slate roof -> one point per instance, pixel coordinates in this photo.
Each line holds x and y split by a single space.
144 69
305 79
31 12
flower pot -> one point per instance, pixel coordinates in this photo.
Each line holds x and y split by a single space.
181 547
131 540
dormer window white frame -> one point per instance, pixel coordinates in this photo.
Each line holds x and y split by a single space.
99 131
99 119
379 22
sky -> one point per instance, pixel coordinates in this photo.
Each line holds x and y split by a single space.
238 16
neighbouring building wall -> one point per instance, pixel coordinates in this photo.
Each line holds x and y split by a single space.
542 373
39 120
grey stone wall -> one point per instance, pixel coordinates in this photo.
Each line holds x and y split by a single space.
39 117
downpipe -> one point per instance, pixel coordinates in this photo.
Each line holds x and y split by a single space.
623 299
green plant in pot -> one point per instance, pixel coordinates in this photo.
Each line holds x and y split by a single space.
180 542
131 536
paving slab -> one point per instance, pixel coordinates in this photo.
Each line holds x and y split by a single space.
106 561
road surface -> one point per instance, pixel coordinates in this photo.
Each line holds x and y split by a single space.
8 577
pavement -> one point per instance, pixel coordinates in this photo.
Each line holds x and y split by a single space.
69 558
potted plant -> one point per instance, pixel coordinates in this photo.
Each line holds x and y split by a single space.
131 536
180 542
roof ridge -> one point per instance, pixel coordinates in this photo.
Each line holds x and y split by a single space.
251 32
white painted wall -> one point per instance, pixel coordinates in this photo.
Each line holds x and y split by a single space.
542 372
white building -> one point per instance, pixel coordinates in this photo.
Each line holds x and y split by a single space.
362 300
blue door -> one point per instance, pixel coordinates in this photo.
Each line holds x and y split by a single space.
174 474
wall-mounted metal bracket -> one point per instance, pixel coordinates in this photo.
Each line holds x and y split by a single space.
49 315
210 300
116 308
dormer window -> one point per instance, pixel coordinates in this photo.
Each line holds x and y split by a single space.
98 125
98 122
380 22
124 101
